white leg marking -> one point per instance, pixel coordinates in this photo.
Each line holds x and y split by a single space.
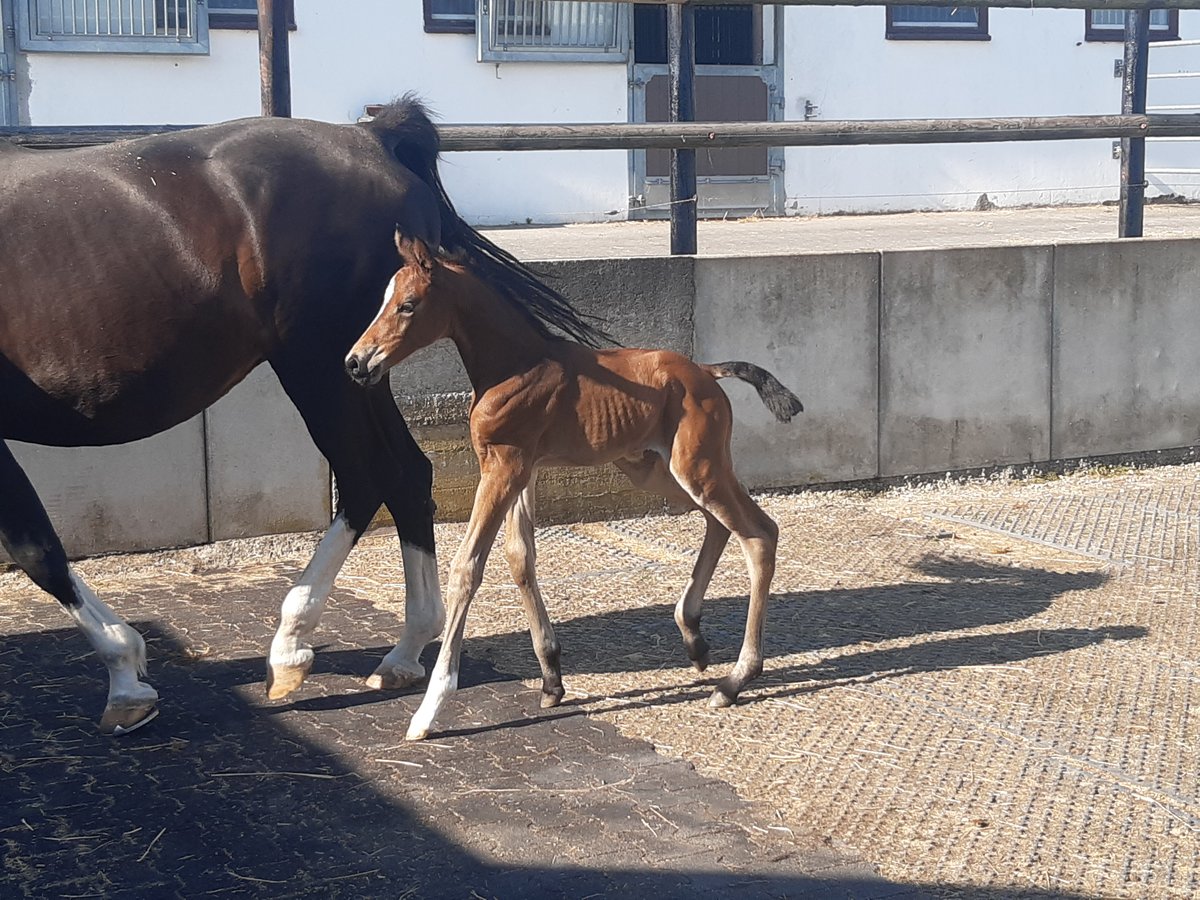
441 685
305 602
424 618
118 645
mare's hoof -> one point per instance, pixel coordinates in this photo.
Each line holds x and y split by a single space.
282 680
552 698
119 720
393 678
416 734
698 653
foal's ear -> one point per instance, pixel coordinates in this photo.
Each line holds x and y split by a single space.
414 252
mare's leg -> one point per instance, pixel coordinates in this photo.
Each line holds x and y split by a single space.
503 478
522 562
291 657
341 419
410 502
650 473
29 538
700 462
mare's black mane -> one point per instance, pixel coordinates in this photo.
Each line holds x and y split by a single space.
406 130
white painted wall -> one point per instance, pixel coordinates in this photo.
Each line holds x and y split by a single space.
347 54
1036 64
354 52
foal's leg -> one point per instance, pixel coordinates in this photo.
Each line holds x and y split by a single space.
502 481
29 538
522 561
650 473
687 610
700 463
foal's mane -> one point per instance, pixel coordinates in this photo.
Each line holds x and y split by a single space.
405 129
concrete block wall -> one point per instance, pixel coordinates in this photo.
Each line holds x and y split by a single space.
246 466
812 321
964 358
138 496
908 363
1126 357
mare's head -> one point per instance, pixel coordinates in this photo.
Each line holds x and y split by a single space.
415 313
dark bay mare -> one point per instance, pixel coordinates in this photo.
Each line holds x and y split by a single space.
143 279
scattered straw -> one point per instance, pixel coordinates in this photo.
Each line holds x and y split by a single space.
323 775
241 877
146 852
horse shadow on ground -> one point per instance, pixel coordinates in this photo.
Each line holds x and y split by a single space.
967 596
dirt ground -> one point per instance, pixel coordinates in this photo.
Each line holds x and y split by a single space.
981 688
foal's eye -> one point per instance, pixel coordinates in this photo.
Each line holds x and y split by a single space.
407 308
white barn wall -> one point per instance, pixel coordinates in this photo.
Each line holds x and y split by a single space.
1036 64
355 52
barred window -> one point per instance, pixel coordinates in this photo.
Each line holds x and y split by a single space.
115 26
1109 25
933 23
552 31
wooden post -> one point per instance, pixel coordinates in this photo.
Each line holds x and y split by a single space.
681 60
1133 100
275 70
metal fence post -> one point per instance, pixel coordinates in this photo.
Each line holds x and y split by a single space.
275 70
1133 100
681 60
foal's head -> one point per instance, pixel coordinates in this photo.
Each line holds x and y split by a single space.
413 315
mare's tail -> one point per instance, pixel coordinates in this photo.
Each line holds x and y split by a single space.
778 399
405 129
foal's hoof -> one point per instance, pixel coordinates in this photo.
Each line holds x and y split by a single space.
722 696
416 733
551 698
282 680
698 654
394 678
119 720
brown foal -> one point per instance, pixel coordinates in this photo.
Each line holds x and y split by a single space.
541 401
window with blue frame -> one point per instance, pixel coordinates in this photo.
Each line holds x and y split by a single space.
453 16
240 14
937 23
1109 25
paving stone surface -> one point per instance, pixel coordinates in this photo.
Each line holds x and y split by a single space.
227 794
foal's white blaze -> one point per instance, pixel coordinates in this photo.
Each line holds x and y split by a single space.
117 644
306 600
424 616
388 294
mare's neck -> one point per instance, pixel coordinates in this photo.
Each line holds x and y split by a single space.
494 340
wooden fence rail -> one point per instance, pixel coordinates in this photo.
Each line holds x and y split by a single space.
699 135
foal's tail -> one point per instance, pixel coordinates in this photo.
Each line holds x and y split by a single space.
404 127
778 399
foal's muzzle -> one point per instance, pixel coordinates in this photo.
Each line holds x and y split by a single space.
364 367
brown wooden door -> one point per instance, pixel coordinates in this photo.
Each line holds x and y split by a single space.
736 81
